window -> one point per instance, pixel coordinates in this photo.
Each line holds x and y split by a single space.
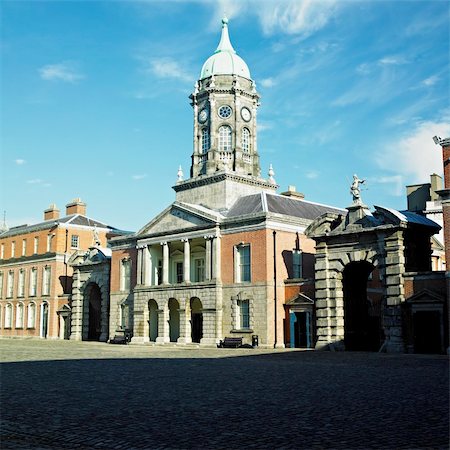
49 242
10 286
246 140
2 251
8 315
21 287
243 307
179 270
205 140
19 315
13 249
243 263
31 315
74 241
24 247
159 271
225 111
125 273
46 281
225 138
33 282
1 284
199 269
36 245
124 316
297 271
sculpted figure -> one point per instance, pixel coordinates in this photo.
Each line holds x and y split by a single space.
355 190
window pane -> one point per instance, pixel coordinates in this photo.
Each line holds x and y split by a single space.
245 140
244 314
205 140
244 261
225 139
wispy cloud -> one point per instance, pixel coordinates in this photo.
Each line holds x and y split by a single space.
312 174
268 82
430 81
395 183
39 181
393 60
166 67
415 156
19 162
139 177
66 71
262 126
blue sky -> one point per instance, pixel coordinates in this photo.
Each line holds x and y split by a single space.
95 98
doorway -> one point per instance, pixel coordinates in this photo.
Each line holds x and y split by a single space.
196 320
427 332
300 329
44 320
152 320
95 313
174 320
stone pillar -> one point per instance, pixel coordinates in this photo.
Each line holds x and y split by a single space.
104 311
209 327
165 277
139 266
163 325
185 324
395 268
208 258
216 267
145 265
76 329
187 261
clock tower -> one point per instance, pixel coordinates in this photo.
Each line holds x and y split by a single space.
225 103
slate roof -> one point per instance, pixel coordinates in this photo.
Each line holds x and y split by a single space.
280 204
72 219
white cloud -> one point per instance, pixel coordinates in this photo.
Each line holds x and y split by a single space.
139 177
65 71
268 82
395 182
19 162
34 181
430 81
262 126
166 67
312 174
393 60
415 156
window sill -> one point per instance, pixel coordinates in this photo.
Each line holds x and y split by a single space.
31 328
245 330
19 328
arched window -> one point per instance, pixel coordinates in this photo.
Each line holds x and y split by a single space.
19 315
31 315
246 140
225 138
8 315
205 140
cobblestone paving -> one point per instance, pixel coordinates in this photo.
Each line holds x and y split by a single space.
71 395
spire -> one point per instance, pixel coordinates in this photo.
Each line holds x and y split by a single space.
225 44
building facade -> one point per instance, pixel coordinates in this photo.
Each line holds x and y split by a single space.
35 277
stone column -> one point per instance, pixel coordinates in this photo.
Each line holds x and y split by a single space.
104 310
185 324
216 266
208 258
187 261
165 277
145 265
209 326
139 266
76 329
163 326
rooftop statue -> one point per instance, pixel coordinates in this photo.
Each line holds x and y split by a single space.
355 190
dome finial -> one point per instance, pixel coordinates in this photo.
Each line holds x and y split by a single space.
225 44
224 20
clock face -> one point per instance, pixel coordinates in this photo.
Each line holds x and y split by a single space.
225 111
246 114
203 115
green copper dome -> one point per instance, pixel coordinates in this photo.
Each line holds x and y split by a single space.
224 61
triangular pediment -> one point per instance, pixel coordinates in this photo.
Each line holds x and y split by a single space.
425 296
177 217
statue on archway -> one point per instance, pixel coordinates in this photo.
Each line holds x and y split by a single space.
355 189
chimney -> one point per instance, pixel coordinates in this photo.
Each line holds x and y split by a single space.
436 185
76 206
52 212
292 192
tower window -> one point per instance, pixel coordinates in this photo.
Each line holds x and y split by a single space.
225 111
205 140
225 138
246 140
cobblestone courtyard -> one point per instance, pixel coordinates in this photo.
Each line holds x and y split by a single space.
73 395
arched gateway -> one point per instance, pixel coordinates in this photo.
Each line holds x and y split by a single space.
361 261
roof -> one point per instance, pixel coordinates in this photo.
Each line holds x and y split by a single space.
280 204
225 61
72 219
418 219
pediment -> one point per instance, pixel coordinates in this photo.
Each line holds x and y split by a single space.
425 296
175 218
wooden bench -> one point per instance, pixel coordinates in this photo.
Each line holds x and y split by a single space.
230 342
124 338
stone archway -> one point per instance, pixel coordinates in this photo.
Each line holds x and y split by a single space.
153 312
196 319
361 323
93 308
174 320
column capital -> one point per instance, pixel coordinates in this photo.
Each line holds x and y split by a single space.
184 239
208 237
163 243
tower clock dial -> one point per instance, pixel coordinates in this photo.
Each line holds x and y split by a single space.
203 115
246 114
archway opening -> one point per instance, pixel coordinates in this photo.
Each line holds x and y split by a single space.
95 312
152 320
196 320
362 324
174 320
